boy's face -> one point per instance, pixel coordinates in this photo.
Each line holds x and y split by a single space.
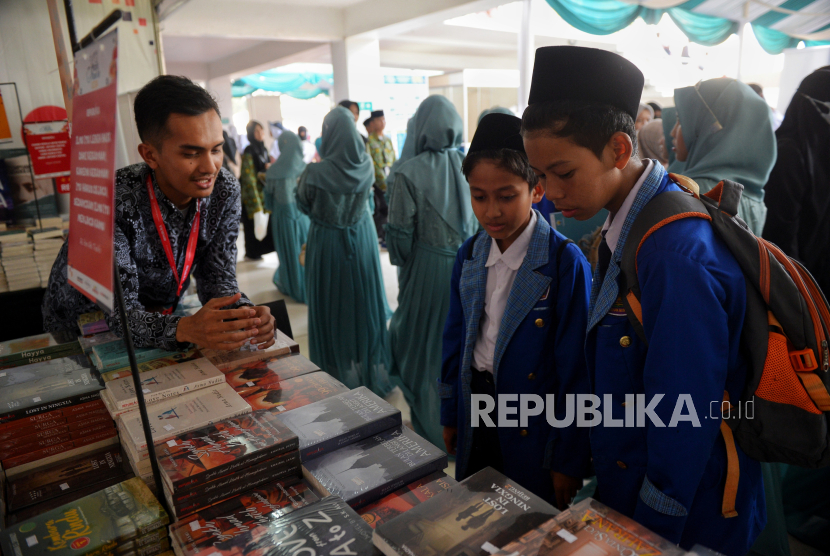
574 179
501 201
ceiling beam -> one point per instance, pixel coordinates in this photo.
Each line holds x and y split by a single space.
443 62
266 55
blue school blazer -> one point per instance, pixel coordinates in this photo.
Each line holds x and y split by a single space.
538 351
671 479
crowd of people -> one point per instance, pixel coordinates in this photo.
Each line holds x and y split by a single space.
494 301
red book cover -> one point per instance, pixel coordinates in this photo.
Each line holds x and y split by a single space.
241 513
38 434
68 412
205 454
294 392
268 371
38 444
406 498
57 449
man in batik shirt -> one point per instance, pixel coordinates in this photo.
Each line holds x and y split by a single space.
180 188
380 149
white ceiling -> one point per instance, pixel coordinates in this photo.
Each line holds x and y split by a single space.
203 49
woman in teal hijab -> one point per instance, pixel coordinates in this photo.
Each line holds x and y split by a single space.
288 225
430 215
344 289
724 131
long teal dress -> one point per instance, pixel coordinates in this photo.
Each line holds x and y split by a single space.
344 289
288 225
728 131
430 215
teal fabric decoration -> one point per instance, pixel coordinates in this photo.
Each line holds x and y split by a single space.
598 17
289 226
701 28
773 41
297 85
436 168
727 129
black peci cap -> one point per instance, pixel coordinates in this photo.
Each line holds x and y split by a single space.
586 74
377 113
498 131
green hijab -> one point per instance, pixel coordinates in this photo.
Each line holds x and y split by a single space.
408 150
727 129
436 167
346 167
281 176
669 117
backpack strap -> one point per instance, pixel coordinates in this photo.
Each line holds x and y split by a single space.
733 468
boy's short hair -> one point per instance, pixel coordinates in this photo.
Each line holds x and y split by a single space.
165 95
587 124
510 160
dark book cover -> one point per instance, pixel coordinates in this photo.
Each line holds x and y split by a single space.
35 455
292 393
368 470
284 467
38 433
340 420
41 420
40 443
269 371
327 528
224 521
406 498
48 392
96 522
210 452
477 516
65 478
14 377
593 529
32 349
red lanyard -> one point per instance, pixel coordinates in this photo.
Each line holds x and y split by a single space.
165 241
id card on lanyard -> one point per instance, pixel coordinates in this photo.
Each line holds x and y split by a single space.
190 254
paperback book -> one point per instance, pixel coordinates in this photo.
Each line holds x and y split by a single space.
268 371
164 383
51 419
292 393
113 355
32 349
92 323
97 523
406 498
172 358
22 438
42 369
9 464
368 470
89 342
590 528
35 444
47 393
224 447
247 353
479 515
339 420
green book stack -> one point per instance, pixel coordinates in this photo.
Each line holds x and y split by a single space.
34 349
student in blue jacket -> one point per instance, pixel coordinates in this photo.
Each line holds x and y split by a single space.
668 474
516 324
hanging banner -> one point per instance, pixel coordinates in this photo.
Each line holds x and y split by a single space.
91 214
48 145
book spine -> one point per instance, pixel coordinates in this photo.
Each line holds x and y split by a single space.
54 440
205 489
219 495
65 487
57 449
172 392
39 355
42 506
60 426
49 406
355 435
380 491
230 467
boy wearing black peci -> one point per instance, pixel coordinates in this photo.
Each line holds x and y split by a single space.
516 324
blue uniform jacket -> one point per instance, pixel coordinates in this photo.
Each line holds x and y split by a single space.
671 479
537 352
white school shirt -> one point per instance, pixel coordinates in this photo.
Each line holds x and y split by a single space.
613 228
501 272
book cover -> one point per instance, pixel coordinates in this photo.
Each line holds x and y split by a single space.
183 414
92 323
53 418
70 436
113 355
343 419
326 528
269 370
226 359
42 369
89 342
590 528
218 490
223 447
167 382
56 449
372 468
48 393
35 348
224 521
479 515
406 498
172 358
99 521
293 393
65 478
130 548
44 462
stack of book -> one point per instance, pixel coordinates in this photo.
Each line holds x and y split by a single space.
18 261
89 342
235 516
34 349
292 393
92 323
175 416
249 353
51 411
169 358
159 385
64 482
211 464
406 498
123 519
113 355
47 244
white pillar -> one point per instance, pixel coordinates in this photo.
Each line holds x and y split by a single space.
356 70
220 88
526 55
